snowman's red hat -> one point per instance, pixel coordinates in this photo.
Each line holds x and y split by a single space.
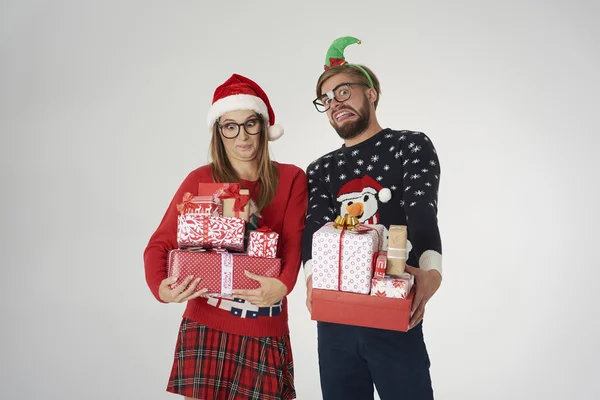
356 187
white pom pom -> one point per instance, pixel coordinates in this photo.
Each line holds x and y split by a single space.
385 195
275 132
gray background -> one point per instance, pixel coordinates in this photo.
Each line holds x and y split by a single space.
102 110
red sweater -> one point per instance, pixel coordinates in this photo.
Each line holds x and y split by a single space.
284 215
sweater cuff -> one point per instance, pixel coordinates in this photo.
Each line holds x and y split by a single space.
431 259
289 284
307 270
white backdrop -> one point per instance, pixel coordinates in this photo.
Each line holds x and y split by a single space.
102 115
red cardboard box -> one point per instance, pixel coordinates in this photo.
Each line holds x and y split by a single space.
361 310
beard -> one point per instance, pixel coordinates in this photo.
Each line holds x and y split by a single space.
354 128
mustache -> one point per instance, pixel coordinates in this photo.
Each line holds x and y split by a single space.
345 108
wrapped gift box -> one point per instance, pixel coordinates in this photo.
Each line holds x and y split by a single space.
197 230
221 272
361 310
380 265
262 242
391 286
234 201
203 205
343 259
396 251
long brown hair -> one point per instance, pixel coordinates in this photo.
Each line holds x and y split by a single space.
222 171
356 73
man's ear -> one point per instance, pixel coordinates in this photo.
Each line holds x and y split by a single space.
372 95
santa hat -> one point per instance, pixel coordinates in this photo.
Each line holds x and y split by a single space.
241 93
366 184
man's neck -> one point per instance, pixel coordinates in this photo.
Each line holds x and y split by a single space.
246 170
373 129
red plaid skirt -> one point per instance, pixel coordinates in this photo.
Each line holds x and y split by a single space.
214 365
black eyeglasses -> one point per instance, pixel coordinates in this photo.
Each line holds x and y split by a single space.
231 130
340 93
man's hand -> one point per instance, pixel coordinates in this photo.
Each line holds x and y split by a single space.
182 292
309 293
426 284
270 292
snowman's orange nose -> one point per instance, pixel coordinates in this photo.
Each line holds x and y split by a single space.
355 209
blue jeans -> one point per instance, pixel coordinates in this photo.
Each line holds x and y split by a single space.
352 359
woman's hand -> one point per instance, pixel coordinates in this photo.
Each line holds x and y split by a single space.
182 292
270 292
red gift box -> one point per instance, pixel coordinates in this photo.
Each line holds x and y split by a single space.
262 242
380 265
234 201
361 310
221 272
197 230
204 205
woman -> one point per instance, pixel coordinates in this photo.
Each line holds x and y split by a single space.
237 349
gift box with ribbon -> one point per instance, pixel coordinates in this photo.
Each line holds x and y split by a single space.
344 254
397 250
233 200
235 203
380 265
396 287
221 272
262 242
197 230
202 205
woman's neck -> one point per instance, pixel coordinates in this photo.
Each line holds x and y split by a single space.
246 170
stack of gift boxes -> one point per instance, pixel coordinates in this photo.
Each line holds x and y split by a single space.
356 281
216 243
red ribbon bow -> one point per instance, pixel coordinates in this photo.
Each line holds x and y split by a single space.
187 203
240 200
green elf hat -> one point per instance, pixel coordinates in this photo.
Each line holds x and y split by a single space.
335 54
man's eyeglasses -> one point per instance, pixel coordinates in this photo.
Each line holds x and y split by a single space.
340 93
231 130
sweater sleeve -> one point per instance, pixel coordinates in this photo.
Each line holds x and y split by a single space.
421 178
164 239
320 211
291 234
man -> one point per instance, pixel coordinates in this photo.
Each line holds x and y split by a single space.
392 178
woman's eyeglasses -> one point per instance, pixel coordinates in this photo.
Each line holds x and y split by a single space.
231 130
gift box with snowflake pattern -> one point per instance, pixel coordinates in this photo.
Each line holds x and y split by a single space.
396 287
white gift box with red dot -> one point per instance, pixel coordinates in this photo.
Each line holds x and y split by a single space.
358 250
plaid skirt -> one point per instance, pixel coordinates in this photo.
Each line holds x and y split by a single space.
214 365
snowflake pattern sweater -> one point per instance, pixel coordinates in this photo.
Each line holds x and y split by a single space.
395 176
284 215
